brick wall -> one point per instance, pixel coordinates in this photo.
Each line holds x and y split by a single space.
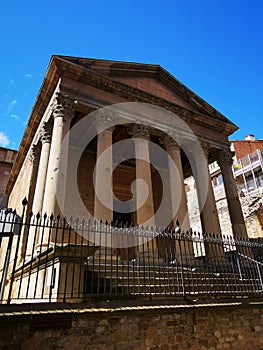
242 147
185 328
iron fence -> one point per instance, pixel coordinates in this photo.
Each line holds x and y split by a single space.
51 259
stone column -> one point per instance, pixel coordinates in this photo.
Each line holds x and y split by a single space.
176 178
103 202
206 199
45 137
145 209
147 247
181 250
225 160
34 155
207 205
28 237
63 113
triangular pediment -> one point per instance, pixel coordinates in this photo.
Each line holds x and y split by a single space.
93 82
152 79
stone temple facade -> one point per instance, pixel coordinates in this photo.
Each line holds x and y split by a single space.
86 107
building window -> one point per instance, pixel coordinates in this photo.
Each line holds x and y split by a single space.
217 180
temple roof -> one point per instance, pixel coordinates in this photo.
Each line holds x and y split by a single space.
120 71
128 81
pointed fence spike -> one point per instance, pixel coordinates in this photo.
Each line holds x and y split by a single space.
8 210
24 201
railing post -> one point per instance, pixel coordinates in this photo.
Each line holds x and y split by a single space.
259 275
8 251
24 203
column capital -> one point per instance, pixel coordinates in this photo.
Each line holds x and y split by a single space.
197 152
104 120
225 156
63 106
34 154
205 147
169 143
140 131
45 133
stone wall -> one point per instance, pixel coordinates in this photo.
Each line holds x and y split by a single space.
227 326
21 188
252 207
253 213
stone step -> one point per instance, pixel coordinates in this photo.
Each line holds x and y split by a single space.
163 272
132 279
145 285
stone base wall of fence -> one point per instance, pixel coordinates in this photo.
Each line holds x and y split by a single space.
199 327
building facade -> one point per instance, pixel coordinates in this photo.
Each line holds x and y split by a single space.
114 142
7 158
248 165
72 89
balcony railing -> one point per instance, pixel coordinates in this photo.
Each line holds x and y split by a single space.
50 259
249 159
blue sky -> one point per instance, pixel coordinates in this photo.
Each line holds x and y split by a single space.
214 47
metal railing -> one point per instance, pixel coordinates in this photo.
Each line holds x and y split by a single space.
51 259
249 159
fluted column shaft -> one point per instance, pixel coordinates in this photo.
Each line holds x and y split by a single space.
28 240
235 211
63 112
206 199
176 179
103 206
145 209
45 137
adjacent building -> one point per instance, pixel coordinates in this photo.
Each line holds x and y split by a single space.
248 173
248 165
7 158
